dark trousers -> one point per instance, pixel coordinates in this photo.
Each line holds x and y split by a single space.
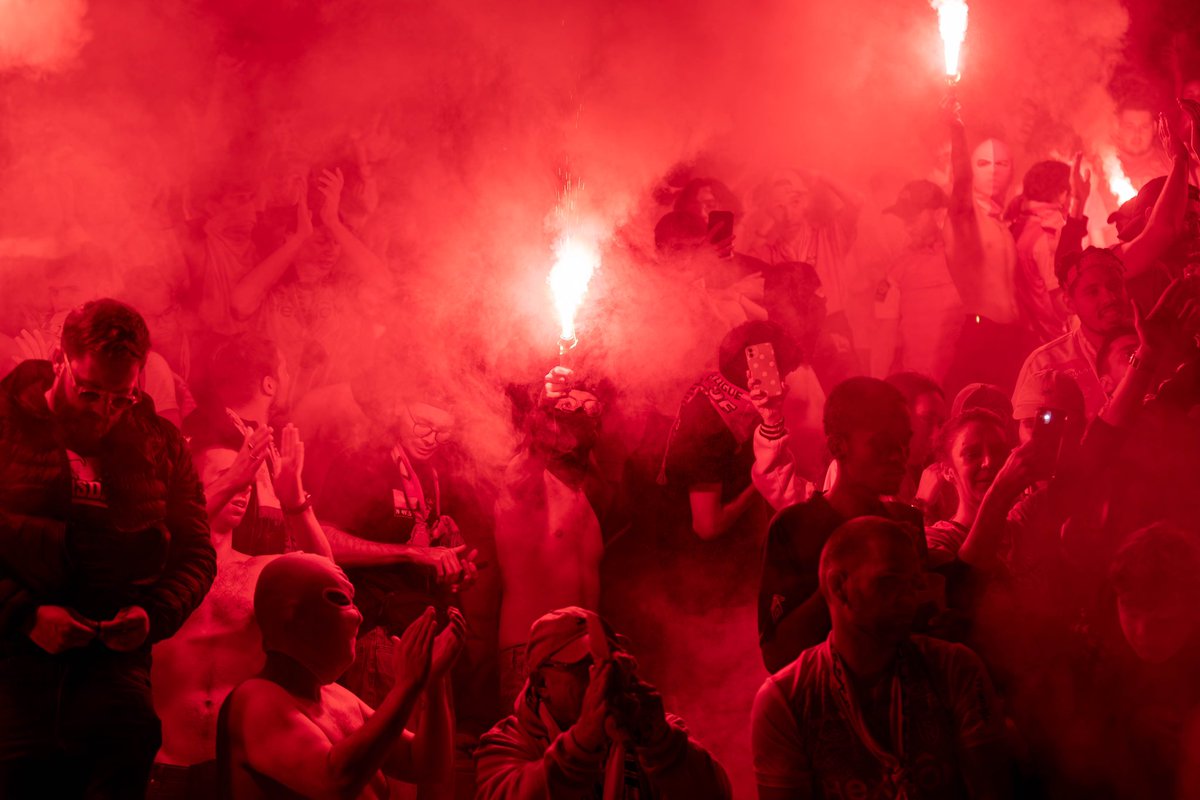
77 725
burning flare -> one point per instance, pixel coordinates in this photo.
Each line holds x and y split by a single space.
1118 183
575 261
952 25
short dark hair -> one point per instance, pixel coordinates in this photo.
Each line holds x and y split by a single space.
854 541
731 356
677 229
107 328
951 429
1046 180
1070 268
856 403
240 363
1159 559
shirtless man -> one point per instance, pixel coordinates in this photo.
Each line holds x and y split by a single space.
219 646
548 537
982 258
291 731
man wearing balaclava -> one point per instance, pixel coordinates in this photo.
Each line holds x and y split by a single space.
982 257
551 519
291 731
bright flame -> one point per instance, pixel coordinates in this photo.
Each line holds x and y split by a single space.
1118 183
952 25
574 264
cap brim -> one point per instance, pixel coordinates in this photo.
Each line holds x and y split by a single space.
575 651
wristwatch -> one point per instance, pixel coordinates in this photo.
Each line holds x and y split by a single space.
1137 362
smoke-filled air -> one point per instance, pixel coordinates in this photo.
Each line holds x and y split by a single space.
599 399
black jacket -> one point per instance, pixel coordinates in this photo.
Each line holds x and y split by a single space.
151 547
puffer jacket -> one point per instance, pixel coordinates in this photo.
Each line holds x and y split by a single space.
151 547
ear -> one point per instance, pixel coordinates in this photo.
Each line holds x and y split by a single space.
58 357
837 444
268 385
837 587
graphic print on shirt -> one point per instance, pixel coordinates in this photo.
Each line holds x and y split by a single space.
86 487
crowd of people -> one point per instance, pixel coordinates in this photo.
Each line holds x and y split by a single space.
240 559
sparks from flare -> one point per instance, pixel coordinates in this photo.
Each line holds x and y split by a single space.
952 25
575 261
1118 183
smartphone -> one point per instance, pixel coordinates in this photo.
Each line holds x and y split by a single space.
1048 427
760 362
720 229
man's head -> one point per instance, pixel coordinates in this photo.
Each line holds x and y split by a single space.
304 606
992 169
920 206
317 256
868 431
1135 129
212 464
927 412
422 428
870 578
558 658
1093 285
104 347
702 196
972 448
1154 577
731 355
566 426
678 233
248 368
1048 182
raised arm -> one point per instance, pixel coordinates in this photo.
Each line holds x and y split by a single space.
427 756
358 258
964 245
1167 219
252 290
304 533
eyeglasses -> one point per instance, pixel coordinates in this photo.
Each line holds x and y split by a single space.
423 431
573 401
118 400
